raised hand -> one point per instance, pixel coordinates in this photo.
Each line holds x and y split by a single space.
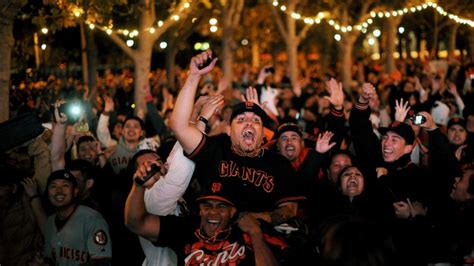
144 168
323 142
269 97
199 60
263 74
402 210
401 110
249 224
31 186
109 104
368 92
452 89
336 94
251 95
211 106
60 118
429 123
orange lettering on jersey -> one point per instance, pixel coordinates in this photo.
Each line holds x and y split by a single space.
230 255
268 185
234 170
249 174
224 168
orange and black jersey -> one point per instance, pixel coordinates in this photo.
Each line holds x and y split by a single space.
264 181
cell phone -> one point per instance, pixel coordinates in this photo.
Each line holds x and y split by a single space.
73 110
270 70
208 61
154 169
418 119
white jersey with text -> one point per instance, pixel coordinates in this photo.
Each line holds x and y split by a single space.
85 236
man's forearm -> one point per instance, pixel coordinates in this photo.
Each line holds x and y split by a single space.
263 254
184 103
58 147
188 135
135 208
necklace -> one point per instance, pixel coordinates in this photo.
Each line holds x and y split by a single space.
255 153
219 236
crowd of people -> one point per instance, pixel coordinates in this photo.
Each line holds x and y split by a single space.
256 172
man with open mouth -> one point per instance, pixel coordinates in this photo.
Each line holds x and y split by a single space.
265 177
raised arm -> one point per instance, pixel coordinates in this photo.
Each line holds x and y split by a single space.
263 254
58 141
137 219
103 133
336 119
188 135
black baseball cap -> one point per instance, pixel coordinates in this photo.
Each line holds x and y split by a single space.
62 174
288 127
219 190
456 121
402 129
252 107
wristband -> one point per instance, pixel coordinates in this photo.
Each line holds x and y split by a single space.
34 197
203 119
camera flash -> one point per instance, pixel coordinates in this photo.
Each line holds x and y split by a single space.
75 110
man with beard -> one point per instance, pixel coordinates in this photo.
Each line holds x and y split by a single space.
265 178
212 238
74 234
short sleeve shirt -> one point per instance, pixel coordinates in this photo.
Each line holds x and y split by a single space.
84 236
264 181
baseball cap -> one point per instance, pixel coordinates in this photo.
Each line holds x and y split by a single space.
402 129
62 174
219 190
456 121
252 107
289 127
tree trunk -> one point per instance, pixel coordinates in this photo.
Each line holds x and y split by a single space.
292 50
346 46
227 56
171 63
452 41
471 44
8 12
435 37
142 59
391 26
85 62
255 45
92 66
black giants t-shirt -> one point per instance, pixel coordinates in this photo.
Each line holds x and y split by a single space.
180 234
262 182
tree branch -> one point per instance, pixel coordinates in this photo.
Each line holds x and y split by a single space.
169 22
302 34
280 25
120 43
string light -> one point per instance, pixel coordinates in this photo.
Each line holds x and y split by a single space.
373 14
78 11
